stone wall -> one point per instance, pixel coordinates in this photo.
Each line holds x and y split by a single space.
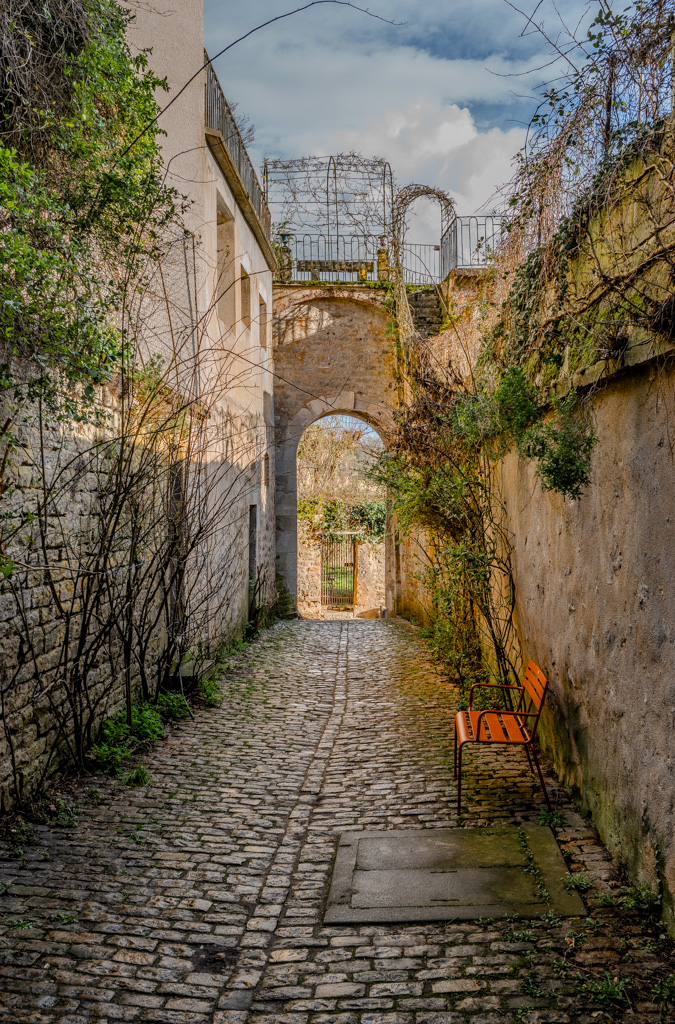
60 671
309 573
595 586
332 354
595 590
370 586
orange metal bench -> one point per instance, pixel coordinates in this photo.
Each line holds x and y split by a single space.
518 725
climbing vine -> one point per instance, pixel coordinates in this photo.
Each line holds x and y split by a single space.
583 275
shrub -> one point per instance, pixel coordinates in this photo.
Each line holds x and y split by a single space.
211 692
173 706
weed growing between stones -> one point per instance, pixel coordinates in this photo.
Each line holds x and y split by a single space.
640 898
553 818
664 991
532 868
611 991
118 739
211 693
138 776
580 882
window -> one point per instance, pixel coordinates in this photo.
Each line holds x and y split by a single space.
262 322
225 265
245 299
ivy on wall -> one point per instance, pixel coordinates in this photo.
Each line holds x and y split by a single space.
584 270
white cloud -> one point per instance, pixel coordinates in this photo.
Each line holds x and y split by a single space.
430 143
330 80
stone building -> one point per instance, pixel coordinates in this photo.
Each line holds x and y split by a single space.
221 281
204 325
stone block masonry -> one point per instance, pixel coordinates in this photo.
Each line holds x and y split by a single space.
199 898
332 354
595 587
370 590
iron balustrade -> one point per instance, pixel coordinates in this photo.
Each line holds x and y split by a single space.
218 117
332 259
468 241
352 259
422 263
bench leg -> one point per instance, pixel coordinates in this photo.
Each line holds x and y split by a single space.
541 777
529 759
454 763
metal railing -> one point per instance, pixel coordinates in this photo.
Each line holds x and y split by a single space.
422 264
218 117
468 241
354 259
330 259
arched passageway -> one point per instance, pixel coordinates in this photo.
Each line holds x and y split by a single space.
342 520
333 354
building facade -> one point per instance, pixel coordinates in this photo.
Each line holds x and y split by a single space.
217 287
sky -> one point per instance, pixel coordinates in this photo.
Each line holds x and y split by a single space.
445 95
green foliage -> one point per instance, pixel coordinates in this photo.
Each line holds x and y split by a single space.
65 918
612 991
65 813
172 706
640 898
550 918
581 882
82 214
138 776
440 477
326 518
109 756
530 986
146 723
556 819
664 990
211 693
117 741
563 449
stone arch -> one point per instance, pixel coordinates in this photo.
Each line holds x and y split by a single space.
343 364
378 416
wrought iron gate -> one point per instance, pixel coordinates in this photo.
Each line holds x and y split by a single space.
338 571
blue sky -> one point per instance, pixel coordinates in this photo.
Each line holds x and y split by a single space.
445 96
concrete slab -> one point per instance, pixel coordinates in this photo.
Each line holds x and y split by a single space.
448 874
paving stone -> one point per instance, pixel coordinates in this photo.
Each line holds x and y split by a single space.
326 728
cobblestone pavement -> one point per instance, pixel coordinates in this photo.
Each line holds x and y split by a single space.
198 898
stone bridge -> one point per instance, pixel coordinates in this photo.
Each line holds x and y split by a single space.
332 354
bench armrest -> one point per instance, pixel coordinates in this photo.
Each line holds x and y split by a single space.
491 686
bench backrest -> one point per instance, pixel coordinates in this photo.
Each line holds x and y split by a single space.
535 685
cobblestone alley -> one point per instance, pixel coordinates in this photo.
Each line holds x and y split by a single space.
199 897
